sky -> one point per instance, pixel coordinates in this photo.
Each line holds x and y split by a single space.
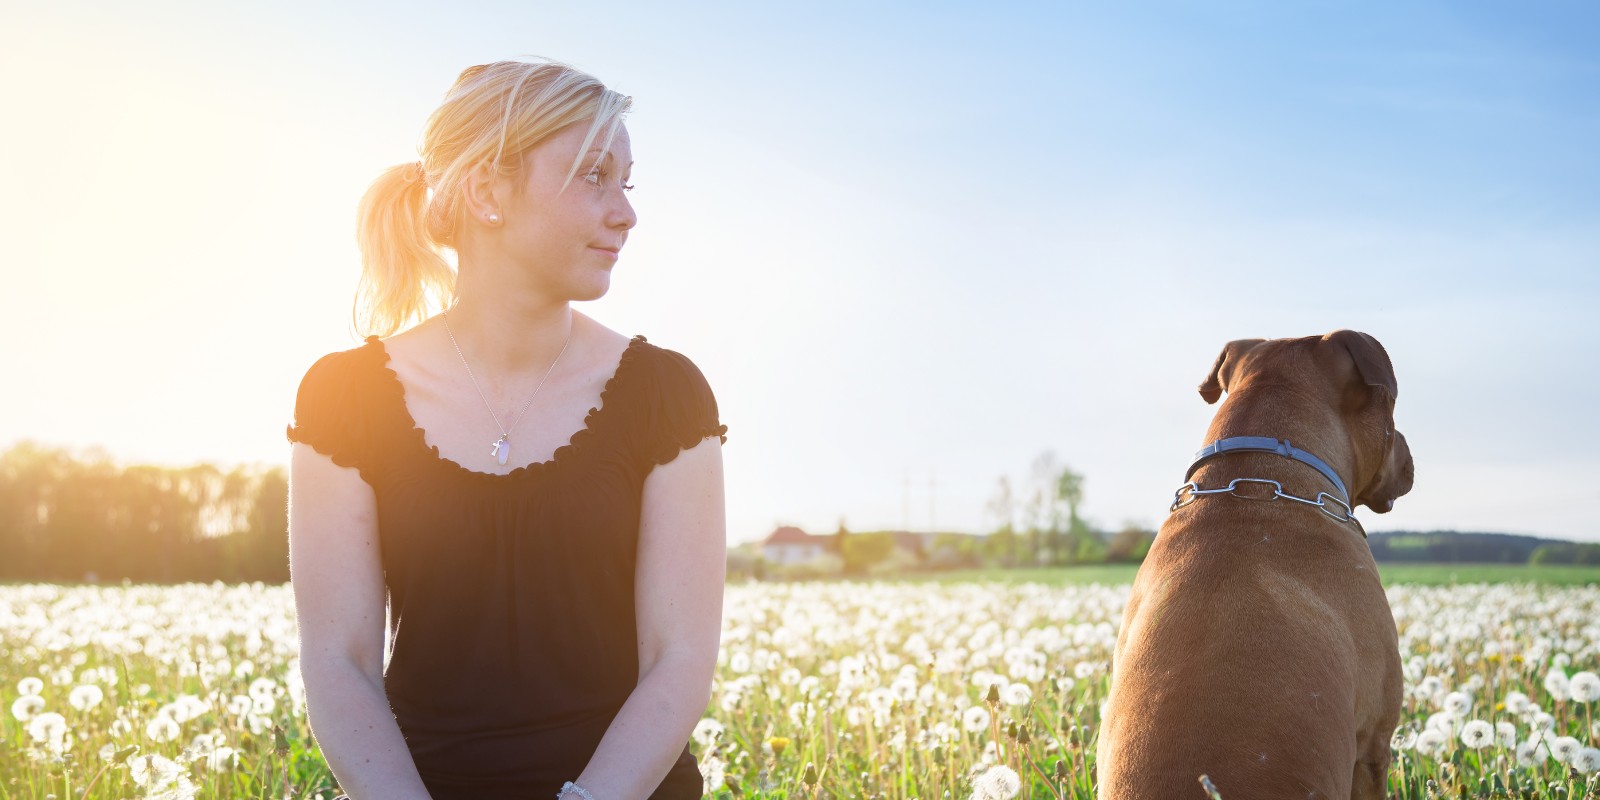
911 245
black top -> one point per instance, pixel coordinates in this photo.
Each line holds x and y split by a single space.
511 597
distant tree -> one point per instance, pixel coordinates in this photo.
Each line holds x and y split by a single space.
862 551
1130 544
1549 554
1001 545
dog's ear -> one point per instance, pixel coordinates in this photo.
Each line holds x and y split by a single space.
1372 361
1394 478
1222 372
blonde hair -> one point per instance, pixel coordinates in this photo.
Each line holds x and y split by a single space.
491 117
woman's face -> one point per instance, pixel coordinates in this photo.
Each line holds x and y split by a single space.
568 239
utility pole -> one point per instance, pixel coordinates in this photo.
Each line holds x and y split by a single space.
905 502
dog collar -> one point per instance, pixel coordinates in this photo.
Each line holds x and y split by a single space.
1266 444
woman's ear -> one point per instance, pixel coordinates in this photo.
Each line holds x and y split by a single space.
480 195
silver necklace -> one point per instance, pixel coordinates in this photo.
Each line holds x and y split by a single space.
501 449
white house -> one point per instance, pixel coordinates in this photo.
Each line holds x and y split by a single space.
790 545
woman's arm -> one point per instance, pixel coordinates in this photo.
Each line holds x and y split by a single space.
678 599
337 576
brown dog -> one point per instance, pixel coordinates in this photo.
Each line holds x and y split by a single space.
1257 647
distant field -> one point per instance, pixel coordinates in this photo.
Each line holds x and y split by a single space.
1415 574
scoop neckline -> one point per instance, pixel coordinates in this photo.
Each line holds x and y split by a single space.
561 453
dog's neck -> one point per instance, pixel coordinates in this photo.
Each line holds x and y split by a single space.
1284 413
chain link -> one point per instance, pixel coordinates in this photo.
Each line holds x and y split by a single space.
1339 509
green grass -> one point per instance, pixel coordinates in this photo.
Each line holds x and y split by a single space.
1446 574
1416 574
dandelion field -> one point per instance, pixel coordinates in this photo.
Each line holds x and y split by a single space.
885 690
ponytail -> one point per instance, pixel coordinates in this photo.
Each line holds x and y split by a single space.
403 274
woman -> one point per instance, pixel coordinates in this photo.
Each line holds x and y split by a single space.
539 497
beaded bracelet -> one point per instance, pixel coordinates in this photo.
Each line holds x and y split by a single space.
569 786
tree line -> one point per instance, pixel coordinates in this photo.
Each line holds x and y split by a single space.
71 517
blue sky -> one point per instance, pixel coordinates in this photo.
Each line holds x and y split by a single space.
911 245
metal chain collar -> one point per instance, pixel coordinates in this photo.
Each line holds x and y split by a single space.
1338 510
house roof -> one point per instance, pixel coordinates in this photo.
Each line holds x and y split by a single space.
789 534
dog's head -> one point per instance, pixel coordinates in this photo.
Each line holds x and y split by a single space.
1351 369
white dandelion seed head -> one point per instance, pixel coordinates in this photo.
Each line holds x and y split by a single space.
157 774
1584 687
1017 694
161 729
789 677
222 759
1505 734
1533 752
999 782
739 662
853 715
1477 734
1563 748
1404 738
86 696
239 705
1444 722
880 700
25 707
1431 742
989 756
1587 761
975 719
1542 721
707 731
187 706
263 705
120 728
1458 703
48 728
802 713
1517 703
1556 683
1430 686
30 686
713 774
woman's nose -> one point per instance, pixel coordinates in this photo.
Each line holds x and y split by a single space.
622 214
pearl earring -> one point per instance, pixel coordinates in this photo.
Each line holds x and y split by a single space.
494 219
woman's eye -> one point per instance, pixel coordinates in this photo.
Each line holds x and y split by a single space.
627 187
595 177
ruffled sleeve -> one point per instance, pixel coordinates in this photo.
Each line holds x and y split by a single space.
681 410
330 413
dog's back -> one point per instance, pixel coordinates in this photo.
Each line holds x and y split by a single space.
1241 656
1257 647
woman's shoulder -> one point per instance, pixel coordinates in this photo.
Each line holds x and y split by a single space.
676 404
335 402
341 365
664 369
